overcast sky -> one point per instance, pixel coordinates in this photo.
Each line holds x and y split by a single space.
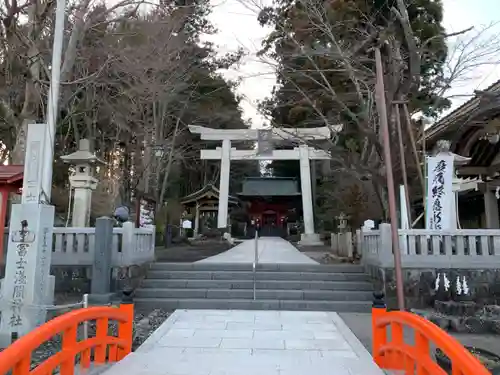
237 23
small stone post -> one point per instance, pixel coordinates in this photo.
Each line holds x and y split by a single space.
128 243
379 335
385 246
101 268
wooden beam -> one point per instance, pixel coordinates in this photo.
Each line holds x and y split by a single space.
488 186
476 171
473 171
494 168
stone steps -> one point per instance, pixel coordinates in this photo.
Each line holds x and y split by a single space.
342 288
283 267
242 304
267 294
260 275
260 284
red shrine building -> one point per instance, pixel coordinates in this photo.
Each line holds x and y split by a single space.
273 204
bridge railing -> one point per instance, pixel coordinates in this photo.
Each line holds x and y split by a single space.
416 358
16 359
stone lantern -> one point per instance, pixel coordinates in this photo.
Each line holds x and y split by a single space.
82 182
342 222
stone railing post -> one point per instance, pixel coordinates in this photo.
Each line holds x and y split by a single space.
385 256
348 244
129 243
153 241
100 287
359 246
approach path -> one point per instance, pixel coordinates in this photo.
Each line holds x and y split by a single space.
249 342
228 342
270 250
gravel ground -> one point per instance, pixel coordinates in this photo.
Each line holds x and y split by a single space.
144 325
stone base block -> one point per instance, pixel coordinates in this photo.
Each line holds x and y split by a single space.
101 299
312 239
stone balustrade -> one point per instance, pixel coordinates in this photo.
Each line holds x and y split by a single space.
76 246
470 254
422 248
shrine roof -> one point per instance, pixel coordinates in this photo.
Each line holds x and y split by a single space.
270 186
467 128
460 118
10 174
207 192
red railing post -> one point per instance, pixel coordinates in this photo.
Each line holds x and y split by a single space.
379 335
16 359
23 366
67 367
416 358
126 330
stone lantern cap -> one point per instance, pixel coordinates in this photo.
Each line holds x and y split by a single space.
82 155
443 147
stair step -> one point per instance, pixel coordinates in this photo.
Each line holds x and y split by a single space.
278 294
260 284
261 275
241 304
284 267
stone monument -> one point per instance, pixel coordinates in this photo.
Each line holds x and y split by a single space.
82 182
28 286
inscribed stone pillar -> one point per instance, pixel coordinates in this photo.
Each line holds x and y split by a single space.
491 210
27 285
101 267
27 269
225 169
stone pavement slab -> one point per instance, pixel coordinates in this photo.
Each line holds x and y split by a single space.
240 342
270 250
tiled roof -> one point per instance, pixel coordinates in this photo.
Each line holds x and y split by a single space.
206 191
11 173
453 118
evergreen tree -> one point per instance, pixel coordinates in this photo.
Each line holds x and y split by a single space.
326 70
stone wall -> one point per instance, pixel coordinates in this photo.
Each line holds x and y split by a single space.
419 284
76 280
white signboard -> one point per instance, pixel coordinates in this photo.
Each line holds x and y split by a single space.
405 224
186 224
440 196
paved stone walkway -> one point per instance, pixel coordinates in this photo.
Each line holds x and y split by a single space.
216 342
270 250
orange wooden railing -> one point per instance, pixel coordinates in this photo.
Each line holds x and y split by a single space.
416 359
105 348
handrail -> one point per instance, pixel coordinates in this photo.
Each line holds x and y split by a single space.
17 357
416 359
255 262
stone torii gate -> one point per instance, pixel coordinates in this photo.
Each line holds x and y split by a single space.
303 153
